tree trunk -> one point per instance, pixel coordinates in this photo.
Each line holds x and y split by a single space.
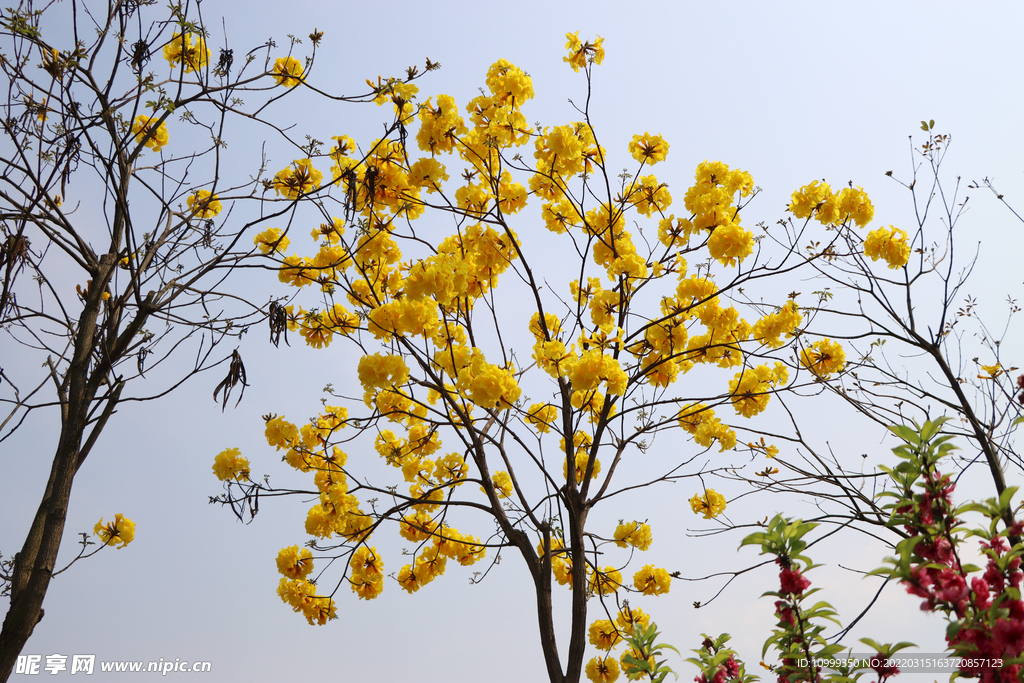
33 566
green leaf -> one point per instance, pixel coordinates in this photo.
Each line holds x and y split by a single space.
871 643
906 433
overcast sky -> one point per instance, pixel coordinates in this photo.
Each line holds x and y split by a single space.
790 92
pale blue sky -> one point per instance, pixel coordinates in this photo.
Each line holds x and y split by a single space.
790 92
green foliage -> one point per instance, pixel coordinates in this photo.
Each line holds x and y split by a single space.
644 641
784 539
713 656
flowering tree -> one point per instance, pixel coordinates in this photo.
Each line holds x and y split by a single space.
552 377
115 246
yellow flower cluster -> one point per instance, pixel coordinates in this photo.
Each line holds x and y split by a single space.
287 71
824 358
181 50
561 561
298 179
502 483
367 573
381 371
144 126
203 205
399 93
271 240
487 385
605 635
229 464
712 504
293 563
651 580
564 151
318 329
594 368
770 329
602 669
580 53
751 387
308 450
889 244
301 596
440 127
581 442
635 534
648 149
121 530
699 420
631 617
817 200
605 581
711 201
431 560
542 416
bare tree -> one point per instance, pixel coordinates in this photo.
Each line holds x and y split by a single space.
917 347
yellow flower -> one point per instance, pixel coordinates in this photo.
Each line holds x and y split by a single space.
410 579
143 126
299 179
652 580
603 635
203 204
751 388
270 240
582 460
367 564
606 581
769 329
603 669
823 358
810 198
889 244
729 242
121 530
502 484
855 205
648 149
542 416
287 71
280 433
301 596
580 53
294 563
712 504
229 464
991 371
635 534
509 84
632 616
699 420
181 51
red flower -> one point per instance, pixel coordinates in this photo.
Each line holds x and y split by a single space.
793 583
883 667
1008 637
785 613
